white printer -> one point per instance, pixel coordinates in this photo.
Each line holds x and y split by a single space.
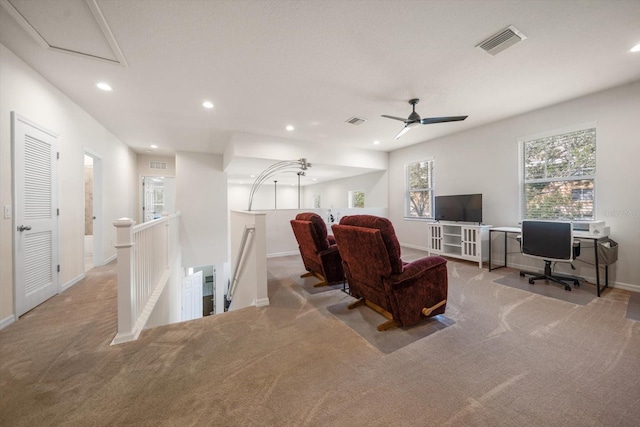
591 228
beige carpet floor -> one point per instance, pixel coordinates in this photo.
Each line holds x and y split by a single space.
510 358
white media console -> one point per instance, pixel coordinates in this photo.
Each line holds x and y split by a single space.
459 240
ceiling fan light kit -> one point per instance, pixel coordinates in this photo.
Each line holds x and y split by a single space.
414 119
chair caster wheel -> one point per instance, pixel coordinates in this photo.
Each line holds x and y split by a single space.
567 288
531 282
576 283
521 274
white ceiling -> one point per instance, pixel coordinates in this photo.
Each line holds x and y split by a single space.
314 64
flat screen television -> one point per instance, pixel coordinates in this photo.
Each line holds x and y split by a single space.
462 207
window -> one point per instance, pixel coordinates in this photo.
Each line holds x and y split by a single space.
356 199
559 176
419 193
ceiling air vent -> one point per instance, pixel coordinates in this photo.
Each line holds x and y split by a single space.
356 121
501 40
158 165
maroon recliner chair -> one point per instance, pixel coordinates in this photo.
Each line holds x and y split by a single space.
318 250
405 293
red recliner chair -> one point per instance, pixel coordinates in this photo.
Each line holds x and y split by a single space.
318 250
405 293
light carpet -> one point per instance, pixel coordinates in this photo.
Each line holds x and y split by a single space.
512 358
583 294
364 321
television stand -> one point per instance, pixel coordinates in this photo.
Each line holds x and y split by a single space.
459 240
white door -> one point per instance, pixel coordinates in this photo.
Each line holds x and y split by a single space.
148 203
35 232
192 296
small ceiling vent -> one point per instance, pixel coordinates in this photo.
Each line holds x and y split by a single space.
501 40
356 121
158 165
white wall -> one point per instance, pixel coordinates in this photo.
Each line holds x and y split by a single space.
334 194
201 199
24 91
485 160
264 198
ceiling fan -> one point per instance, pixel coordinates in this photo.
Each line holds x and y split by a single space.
414 119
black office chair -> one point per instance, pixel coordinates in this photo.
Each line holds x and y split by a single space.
551 241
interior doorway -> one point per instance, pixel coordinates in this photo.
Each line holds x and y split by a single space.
158 195
93 205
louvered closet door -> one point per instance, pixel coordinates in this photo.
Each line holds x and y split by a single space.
36 221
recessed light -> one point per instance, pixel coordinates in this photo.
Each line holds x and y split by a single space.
314 179
635 49
154 146
252 176
104 86
290 128
376 142
207 104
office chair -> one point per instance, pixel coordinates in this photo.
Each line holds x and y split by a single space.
551 241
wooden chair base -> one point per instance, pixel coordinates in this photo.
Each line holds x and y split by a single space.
389 324
317 275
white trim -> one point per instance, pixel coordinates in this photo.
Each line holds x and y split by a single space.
111 258
97 15
71 282
281 254
104 26
7 321
262 302
419 248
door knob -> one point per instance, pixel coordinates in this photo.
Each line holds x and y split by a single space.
24 228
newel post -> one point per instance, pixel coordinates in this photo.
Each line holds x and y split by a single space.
126 299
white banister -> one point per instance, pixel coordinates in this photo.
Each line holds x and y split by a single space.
250 274
145 253
248 230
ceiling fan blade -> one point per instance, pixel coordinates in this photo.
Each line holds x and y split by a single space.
431 120
396 118
406 128
402 132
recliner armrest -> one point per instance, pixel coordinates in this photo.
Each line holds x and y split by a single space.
417 267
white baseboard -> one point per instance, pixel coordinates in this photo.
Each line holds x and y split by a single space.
111 258
262 302
279 254
7 321
71 282
419 248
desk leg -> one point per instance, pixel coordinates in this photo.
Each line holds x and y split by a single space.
505 248
597 267
489 250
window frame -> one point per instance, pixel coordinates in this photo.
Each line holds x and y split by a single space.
408 190
522 185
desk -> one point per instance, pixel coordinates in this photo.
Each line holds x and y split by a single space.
577 235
